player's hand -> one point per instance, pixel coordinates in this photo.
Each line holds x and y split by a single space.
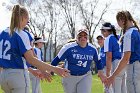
102 76
107 74
61 71
46 76
36 72
62 65
110 81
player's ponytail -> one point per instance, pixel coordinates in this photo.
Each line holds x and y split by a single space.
114 31
15 19
18 13
125 16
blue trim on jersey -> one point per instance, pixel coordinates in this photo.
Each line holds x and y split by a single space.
78 59
30 37
131 42
111 45
41 56
35 51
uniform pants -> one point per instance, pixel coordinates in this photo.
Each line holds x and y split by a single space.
78 84
119 85
133 77
15 81
35 81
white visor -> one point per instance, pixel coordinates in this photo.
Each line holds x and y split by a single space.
40 40
107 28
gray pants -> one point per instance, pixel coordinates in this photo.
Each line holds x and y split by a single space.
133 77
15 81
119 85
35 81
78 84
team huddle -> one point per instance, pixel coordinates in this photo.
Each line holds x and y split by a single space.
117 61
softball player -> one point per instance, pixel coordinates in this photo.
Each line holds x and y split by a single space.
14 49
79 56
131 52
102 57
36 87
113 55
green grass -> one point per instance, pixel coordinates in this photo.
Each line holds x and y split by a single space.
56 87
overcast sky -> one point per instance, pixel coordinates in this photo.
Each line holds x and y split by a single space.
109 16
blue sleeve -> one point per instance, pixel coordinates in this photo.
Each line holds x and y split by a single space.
55 61
99 64
41 56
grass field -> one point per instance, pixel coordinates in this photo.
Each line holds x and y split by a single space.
56 87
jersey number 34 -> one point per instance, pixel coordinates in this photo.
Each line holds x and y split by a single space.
3 52
83 64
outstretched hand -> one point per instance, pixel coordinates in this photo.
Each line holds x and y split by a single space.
46 76
61 71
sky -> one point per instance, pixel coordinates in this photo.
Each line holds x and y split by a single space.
109 16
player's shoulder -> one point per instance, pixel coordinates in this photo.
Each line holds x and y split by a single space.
21 34
27 32
131 31
109 38
5 32
91 45
70 45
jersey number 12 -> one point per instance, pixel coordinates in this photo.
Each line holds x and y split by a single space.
3 53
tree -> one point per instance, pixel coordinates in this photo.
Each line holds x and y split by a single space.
70 11
88 13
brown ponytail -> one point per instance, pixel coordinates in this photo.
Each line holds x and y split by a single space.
114 31
18 12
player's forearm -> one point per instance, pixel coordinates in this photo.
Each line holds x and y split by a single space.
35 62
108 63
108 67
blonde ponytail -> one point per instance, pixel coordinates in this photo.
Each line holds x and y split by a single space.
18 12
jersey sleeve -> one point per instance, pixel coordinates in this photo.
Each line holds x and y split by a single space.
107 45
23 42
55 61
127 42
62 55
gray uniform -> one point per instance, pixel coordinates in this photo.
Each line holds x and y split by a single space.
15 81
78 84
